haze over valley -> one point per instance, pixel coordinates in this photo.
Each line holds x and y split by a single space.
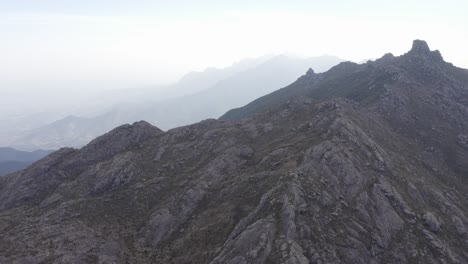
197 96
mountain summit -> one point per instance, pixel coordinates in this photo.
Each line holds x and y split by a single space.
421 49
365 163
420 46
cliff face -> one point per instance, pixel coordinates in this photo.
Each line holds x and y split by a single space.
362 164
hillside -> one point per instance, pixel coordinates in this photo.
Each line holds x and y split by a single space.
360 164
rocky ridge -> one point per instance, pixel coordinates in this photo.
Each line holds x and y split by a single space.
362 164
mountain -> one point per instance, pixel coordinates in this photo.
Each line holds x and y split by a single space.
364 83
195 97
71 119
360 164
231 92
9 166
12 160
194 82
70 131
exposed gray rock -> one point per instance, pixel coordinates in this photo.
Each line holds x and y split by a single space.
431 222
337 173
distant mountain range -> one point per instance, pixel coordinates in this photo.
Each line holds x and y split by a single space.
195 97
12 160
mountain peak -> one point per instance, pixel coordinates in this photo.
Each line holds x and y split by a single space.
420 46
119 139
143 124
422 50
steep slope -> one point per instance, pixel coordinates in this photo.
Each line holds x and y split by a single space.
9 166
196 97
377 178
365 82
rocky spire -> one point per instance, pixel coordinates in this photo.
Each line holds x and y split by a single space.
421 49
420 46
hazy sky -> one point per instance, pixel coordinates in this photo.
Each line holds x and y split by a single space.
148 42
